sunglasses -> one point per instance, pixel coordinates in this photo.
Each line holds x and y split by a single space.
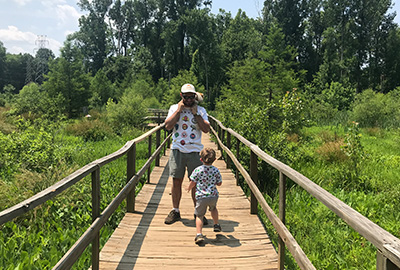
188 97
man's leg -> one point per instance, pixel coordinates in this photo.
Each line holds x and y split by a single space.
176 194
176 191
177 172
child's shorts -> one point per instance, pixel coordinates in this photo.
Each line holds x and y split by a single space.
201 205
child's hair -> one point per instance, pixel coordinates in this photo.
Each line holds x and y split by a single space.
207 155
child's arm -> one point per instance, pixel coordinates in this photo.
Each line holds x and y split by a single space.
191 185
219 178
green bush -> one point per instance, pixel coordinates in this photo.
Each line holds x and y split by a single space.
90 130
376 109
127 113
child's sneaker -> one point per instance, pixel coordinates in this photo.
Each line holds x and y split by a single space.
217 228
199 239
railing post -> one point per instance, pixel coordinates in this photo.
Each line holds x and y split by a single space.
220 137
165 145
158 134
383 263
282 216
95 214
149 155
130 172
169 140
228 144
238 158
254 176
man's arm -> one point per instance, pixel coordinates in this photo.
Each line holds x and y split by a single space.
203 124
174 118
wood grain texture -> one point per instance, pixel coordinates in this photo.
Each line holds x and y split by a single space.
143 241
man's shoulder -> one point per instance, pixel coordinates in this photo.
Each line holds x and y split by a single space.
173 106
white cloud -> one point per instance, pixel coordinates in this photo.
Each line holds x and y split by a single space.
22 2
49 3
67 14
17 41
12 33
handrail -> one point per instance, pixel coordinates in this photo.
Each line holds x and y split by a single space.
293 246
387 244
78 248
52 191
92 234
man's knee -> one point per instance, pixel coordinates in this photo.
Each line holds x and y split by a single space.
177 182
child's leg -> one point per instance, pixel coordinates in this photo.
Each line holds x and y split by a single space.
199 225
214 215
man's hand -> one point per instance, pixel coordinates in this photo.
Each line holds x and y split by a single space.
180 106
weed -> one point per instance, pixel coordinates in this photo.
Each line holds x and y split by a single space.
331 151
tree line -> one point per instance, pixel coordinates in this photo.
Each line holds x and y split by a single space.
295 43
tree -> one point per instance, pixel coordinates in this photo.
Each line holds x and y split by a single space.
101 89
241 39
15 71
93 35
175 35
206 54
68 79
2 66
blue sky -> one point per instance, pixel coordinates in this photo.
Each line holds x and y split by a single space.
22 21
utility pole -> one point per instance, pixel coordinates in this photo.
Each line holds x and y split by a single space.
37 67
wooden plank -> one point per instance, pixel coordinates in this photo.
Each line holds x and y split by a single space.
143 241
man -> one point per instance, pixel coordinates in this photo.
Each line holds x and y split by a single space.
188 121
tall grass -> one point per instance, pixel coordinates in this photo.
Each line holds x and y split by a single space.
39 238
326 239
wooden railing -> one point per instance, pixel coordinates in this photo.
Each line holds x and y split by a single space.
158 116
387 245
92 235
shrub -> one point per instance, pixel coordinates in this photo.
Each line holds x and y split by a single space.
128 113
90 130
376 109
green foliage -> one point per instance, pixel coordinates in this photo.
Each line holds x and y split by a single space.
68 82
293 112
102 89
241 39
90 130
39 238
127 113
373 192
34 149
339 96
173 94
376 109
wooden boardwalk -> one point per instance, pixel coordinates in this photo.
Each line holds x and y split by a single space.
143 241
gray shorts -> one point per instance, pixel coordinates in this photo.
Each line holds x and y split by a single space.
178 161
201 205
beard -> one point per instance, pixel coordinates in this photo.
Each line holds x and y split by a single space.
188 103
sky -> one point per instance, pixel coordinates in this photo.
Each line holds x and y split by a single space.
25 25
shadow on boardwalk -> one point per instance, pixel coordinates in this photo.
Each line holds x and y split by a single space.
143 241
